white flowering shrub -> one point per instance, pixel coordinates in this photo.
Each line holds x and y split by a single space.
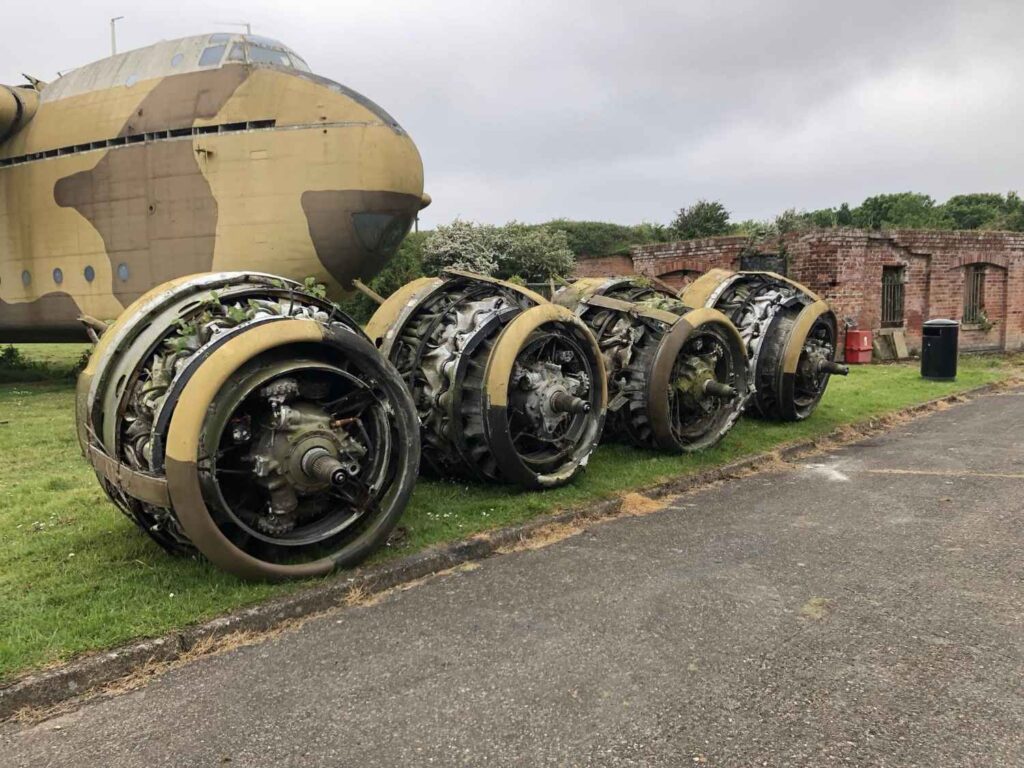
515 250
461 245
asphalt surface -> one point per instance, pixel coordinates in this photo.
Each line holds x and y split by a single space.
865 607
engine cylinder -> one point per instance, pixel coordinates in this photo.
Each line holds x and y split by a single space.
677 378
17 107
508 386
790 334
237 415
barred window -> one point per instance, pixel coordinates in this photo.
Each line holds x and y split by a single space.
893 280
974 293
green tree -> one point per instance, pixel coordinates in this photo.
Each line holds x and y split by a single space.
904 210
702 219
602 238
985 210
844 216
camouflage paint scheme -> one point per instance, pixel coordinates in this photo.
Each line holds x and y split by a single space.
147 166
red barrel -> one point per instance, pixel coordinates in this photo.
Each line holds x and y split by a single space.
858 346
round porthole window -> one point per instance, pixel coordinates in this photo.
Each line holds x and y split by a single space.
177 59
122 271
132 80
26 278
58 276
90 274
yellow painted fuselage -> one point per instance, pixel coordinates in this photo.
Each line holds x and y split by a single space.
213 153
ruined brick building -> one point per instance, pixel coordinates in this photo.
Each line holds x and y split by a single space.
878 281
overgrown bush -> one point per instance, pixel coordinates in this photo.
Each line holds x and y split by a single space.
602 238
532 253
462 245
535 254
16 367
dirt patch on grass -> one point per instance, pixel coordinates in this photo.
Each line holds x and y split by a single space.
542 537
637 505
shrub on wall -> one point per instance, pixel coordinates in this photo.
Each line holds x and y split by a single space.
705 218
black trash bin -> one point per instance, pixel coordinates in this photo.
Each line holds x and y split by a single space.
940 346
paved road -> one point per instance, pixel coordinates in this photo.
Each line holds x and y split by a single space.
836 613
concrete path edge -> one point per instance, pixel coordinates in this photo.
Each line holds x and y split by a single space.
79 677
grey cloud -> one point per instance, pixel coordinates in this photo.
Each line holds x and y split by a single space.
626 111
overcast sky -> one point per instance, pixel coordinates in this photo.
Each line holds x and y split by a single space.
625 111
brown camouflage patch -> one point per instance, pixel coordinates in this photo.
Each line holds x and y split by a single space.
177 102
344 226
150 202
154 226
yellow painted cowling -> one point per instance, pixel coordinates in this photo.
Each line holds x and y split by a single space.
236 414
508 387
790 334
677 378
18 106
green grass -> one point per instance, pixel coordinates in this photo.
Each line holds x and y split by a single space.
77 576
41 362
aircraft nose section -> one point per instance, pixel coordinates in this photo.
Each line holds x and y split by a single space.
356 232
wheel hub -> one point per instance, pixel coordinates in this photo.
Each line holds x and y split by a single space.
299 452
548 396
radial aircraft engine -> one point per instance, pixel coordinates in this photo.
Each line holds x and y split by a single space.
677 377
508 386
205 154
237 415
790 334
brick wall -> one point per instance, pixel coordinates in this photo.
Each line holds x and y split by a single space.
679 263
845 267
603 266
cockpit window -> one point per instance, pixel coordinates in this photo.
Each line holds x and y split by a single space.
212 55
237 52
220 37
299 63
264 41
260 55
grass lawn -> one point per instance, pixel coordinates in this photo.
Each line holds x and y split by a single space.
77 576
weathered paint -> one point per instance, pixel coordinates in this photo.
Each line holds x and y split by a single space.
289 158
798 335
514 336
190 410
498 374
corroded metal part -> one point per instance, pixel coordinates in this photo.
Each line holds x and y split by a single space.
549 400
677 380
790 334
508 387
240 416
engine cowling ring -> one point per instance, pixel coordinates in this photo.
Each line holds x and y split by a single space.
257 358
446 334
677 382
